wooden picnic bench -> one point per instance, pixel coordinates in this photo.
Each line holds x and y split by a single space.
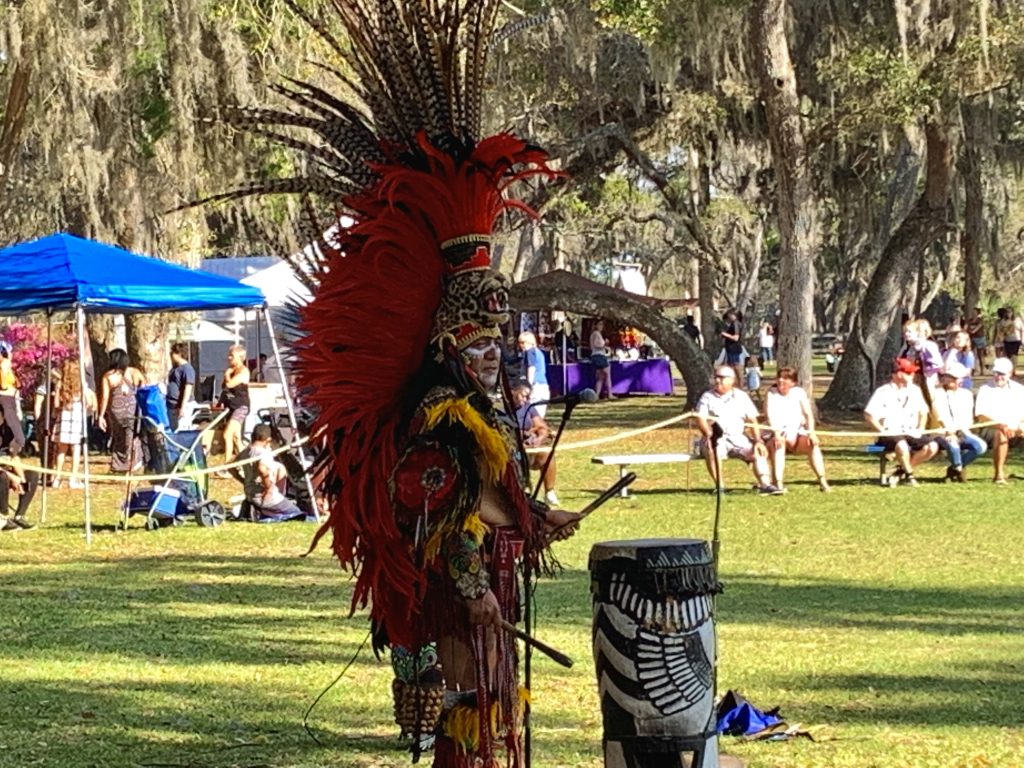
624 460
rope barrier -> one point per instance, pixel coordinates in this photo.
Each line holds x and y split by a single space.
765 427
133 478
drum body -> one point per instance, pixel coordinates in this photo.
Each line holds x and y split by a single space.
654 651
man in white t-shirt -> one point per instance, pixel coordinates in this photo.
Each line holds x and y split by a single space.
1001 401
727 419
898 410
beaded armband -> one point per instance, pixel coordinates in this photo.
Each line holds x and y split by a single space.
466 567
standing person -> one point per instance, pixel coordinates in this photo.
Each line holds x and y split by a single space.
730 414
401 355
12 437
766 339
691 329
752 376
567 343
234 395
790 415
899 412
117 411
732 336
1002 330
181 385
535 433
975 326
74 406
45 432
599 359
536 370
960 352
1001 401
953 405
1013 332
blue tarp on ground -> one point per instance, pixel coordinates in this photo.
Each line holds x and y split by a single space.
63 272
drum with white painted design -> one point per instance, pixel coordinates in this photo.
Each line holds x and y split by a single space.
654 650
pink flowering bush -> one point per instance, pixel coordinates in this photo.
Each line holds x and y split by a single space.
28 356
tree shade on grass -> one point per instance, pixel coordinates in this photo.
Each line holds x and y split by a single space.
886 621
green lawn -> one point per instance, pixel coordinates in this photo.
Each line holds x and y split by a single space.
889 622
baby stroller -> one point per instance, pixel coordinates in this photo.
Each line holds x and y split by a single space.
179 454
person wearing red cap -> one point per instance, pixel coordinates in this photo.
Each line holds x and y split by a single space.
899 412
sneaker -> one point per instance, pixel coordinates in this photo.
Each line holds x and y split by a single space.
769 490
824 487
9 525
1000 481
22 523
76 484
909 480
551 498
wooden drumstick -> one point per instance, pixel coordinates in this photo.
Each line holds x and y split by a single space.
611 492
556 656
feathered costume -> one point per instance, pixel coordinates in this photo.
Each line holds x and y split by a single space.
414 441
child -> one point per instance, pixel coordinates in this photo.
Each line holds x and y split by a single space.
72 423
752 375
272 475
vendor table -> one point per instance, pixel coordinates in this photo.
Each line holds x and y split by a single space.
652 377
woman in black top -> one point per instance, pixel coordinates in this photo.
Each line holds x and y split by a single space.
234 395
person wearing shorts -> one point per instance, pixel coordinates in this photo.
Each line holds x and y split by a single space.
727 419
790 415
899 412
1001 401
599 359
234 396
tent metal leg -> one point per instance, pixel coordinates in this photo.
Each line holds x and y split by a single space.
43 430
291 409
85 423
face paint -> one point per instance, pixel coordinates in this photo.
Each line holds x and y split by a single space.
483 358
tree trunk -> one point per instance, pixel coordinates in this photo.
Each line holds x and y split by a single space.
927 221
797 204
561 290
973 235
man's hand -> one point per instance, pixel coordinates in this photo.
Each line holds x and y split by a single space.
102 423
561 523
485 610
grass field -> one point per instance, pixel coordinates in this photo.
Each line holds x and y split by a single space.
889 622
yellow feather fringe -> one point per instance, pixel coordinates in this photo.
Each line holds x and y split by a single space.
462 725
490 442
473 525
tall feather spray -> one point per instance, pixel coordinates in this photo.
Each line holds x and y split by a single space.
398 149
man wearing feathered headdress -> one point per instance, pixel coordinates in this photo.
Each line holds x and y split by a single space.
424 476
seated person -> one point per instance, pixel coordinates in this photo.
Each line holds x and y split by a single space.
953 407
270 477
729 414
1001 401
25 488
536 433
789 414
898 410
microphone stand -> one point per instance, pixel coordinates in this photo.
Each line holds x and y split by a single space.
528 591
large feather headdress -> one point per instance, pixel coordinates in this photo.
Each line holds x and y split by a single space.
398 149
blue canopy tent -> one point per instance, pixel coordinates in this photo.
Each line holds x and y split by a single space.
67 273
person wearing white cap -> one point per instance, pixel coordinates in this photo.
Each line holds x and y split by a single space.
953 407
1001 401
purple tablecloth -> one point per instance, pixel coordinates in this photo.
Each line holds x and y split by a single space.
630 377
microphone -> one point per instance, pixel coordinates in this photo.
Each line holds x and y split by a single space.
572 400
